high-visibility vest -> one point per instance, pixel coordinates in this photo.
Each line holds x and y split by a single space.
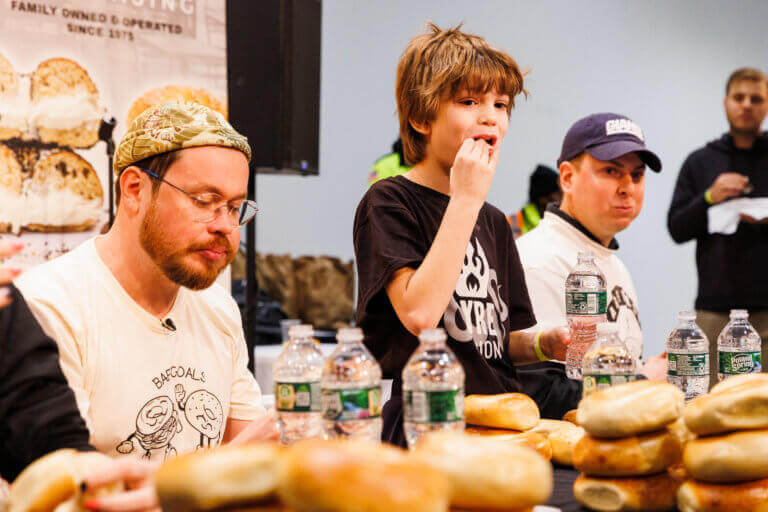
524 220
386 167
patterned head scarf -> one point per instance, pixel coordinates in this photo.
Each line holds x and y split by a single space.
176 125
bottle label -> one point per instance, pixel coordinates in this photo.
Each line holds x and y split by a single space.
585 303
351 404
687 365
596 382
298 396
732 363
434 406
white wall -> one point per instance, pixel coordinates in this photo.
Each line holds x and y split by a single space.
663 63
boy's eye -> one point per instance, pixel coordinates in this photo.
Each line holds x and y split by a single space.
468 101
501 104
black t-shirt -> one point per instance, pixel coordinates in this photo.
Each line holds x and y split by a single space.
395 225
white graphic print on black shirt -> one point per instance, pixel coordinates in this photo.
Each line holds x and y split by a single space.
476 312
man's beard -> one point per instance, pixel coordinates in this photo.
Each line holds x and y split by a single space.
170 258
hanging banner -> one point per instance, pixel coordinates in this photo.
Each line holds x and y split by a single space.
73 74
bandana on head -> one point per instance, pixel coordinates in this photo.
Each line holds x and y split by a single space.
174 125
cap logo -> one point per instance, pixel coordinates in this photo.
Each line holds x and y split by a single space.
615 126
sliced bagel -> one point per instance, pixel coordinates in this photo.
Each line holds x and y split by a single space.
68 110
174 93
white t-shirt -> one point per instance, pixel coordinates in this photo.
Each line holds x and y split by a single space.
143 389
549 253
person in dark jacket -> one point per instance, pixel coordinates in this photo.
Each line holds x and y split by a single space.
730 267
38 413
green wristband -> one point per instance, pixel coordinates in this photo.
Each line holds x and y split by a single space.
708 198
537 348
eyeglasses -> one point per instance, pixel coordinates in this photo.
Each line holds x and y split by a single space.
209 205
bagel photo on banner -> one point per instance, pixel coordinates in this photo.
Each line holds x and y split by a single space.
75 73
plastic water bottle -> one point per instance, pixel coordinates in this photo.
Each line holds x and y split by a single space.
351 387
608 362
585 302
688 362
433 388
738 347
297 372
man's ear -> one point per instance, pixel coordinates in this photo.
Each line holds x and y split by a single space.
422 127
567 172
130 188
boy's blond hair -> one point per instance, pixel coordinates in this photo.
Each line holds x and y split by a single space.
436 65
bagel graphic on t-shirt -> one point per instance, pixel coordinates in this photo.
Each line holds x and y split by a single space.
159 421
156 425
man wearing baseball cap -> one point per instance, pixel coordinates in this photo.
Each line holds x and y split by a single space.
602 174
155 354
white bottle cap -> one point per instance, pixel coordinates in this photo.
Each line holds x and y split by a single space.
301 331
432 335
607 328
739 313
348 334
687 315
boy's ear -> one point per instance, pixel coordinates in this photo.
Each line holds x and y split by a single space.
421 127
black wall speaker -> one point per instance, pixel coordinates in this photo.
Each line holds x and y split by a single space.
273 57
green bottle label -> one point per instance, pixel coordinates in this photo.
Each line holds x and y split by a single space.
585 303
733 363
687 365
434 406
298 396
351 404
595 382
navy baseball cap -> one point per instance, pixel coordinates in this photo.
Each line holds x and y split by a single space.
605 137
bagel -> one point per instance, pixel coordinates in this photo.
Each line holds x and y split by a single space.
737 403
630 409
485 473
696 496
641 494
642 455
736 457
226 476
514 411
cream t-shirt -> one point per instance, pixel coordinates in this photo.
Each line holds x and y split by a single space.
143 389
549 253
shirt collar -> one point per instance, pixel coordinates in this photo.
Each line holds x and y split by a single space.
554 208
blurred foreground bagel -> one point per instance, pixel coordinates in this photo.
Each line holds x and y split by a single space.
629 409
570 416
646 454
736 457
562 437
53 482
737 403
348 476
529 439
696 496
226 476
514 411
646 494
485 473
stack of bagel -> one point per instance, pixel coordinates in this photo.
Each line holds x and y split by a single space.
728 462
633 439
515 419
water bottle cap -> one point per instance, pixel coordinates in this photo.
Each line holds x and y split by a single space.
432 335
346 334
739 313
585 255
301 331
606 328
687 315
